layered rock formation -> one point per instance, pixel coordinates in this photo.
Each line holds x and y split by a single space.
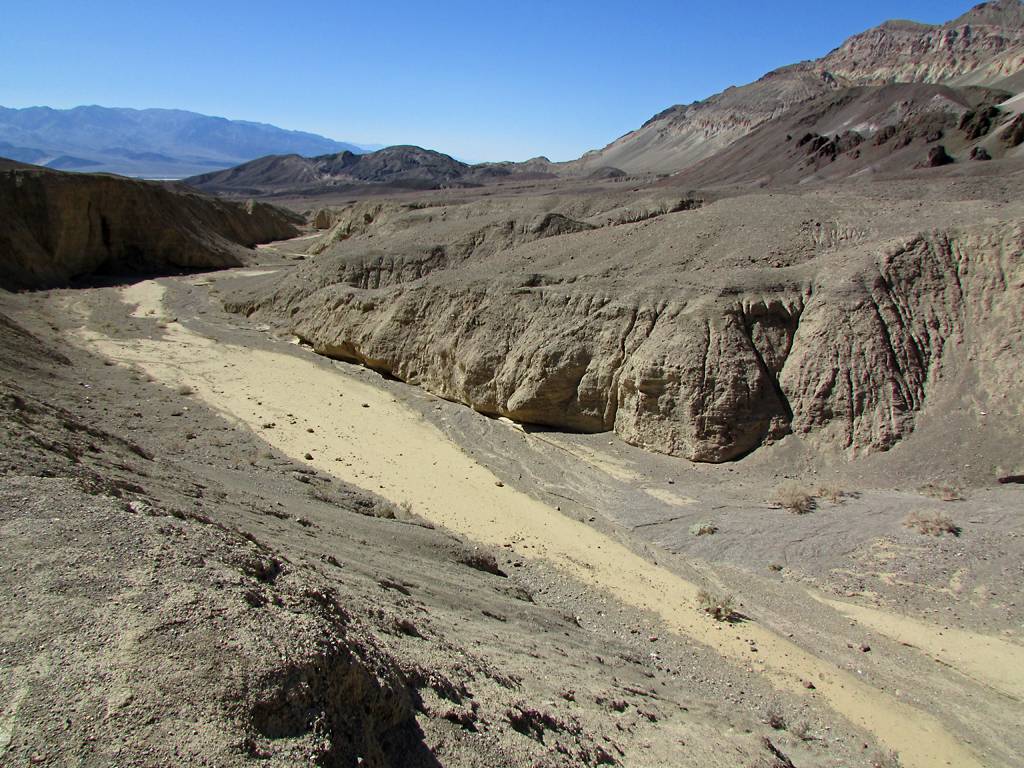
703 333
59 226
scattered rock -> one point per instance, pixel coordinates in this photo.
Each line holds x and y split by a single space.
937 156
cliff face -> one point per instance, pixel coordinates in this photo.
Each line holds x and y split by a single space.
985 40
703 334
55 227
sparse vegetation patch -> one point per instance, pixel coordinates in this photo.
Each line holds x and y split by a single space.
942 492
795 498
832 493
703 528
719 607
932 524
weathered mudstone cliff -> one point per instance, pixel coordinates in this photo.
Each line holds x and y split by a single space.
56 226
703 333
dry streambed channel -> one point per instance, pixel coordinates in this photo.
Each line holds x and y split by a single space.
365 436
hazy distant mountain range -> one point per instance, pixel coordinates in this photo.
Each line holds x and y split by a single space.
155 143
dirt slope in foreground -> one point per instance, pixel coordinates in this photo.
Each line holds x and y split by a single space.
177 590
368 434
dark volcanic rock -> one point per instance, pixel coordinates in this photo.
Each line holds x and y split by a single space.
400 167
978 124
938 156
1014 135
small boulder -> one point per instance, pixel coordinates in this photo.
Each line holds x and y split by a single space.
937 156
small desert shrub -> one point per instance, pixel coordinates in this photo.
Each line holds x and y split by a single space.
942 492
932 524
703 529
795 498
719 607
802 730
324 495
385 510
775 718
832 493
185 389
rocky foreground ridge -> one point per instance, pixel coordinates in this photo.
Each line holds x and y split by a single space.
60 226
702 332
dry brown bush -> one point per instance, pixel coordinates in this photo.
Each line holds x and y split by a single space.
832 493
886 760
719 607
932 524
942 492
802 730
775 718
795 498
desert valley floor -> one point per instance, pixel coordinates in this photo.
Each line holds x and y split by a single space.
852 633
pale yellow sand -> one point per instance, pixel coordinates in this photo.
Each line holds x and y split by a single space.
991 661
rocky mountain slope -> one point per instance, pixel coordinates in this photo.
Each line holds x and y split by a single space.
880 130
985 46
60 226
701 332
156 143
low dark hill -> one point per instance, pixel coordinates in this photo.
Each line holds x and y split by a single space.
391 168
55 227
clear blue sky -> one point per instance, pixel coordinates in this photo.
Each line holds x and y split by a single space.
477 79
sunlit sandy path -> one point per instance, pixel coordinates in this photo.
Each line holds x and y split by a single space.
991 661
363 436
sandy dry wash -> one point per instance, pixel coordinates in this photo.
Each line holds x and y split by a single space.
346 425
